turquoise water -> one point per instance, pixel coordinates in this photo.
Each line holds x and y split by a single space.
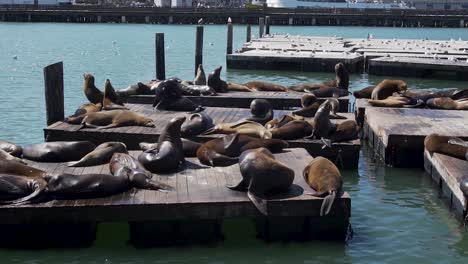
397 215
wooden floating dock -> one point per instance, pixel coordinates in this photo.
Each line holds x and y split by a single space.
200 197
447 173
393 57
278 100
397 134
133 135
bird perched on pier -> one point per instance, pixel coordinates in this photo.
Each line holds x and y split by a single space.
229 20
200 21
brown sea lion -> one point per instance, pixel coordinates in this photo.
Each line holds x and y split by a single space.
235 87
190 147
445 145
82 111
345 131
7 156
342 76
397 101
100 155
447 103
325 180
312 86
262 175
386 88
328 92
244 127
309 104
93 94
169 153
277 123
200 78
58 151
265 87
295 129
16 189
215 82
115 118
261 111
11 148
364 93
225 151
13 167
196 124
111 99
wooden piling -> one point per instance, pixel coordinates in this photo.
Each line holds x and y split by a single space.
160 57
267 25
229 38
53 84
198 47
261 27
249 33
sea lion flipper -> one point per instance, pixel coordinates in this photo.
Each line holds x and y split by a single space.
230 142
326 143
241 186
106 127
260 203
327 203
458 141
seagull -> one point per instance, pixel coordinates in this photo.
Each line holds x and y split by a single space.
15 57
229 20
200 21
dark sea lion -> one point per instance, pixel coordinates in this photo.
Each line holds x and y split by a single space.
386 88
328 92
197 90
262 175
190 147
322 124
111 99
215 82
13 167
169 96
235 87
58 151
325 180
292 130
16 189
312 86
169 153
82 111
309 104
100 155
11 148
447 103
364 93
345 131
124 165
261 111
265 87
200 78
196 124
342 76
135 89
7 156
462 94
115 118
225 151
397 101
91 92
244 127
445 145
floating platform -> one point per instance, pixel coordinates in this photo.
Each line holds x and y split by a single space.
345 154
397 134
278 100
447 173
200 199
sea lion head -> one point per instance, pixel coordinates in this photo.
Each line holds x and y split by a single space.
339 67
174 125
308 99
402 86
260 107
217 72
327 106
433 142
146 121
197 123
88 78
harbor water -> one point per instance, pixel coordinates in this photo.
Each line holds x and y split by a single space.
397 214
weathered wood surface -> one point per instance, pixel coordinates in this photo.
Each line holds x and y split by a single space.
397 134
447 172
200 194
346 154
278 100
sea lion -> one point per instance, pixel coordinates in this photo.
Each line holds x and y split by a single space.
58 151
169 153
169 96
196 124
345 131
16 189
309 105
277 123
295 129
225 151
461 94
7 156
115 118
215 82
386 88
13 167
239 87
93 94
445 145
312 86
82 111
197 90
265 87
325 180
111 100
244 127
447 103
11 148
190 147
397 101
134 89
365 92
200 78
100 155
328 92
261 111
262 175
322 125
342 76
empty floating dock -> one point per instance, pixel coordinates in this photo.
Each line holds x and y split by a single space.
345 154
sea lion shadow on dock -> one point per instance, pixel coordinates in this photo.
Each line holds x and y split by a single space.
294 191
